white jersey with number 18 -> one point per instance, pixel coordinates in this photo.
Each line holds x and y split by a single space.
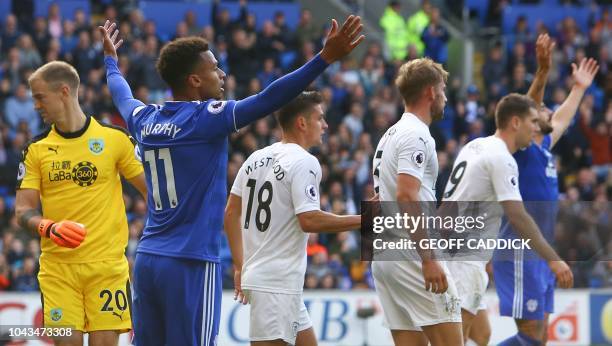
276 184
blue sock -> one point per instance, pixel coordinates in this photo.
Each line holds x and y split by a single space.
511 341
520 339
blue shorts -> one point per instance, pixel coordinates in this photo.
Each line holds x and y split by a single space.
525 287
177 301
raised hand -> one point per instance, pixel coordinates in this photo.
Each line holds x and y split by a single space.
544 48
341 42
110 34
583 74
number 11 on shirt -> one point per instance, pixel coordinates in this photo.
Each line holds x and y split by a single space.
163 155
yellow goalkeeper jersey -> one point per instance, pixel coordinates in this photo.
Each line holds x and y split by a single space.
77 175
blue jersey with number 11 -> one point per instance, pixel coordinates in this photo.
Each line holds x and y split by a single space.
183 146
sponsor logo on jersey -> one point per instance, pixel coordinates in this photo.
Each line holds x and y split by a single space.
84 173
53 149
311 192
96 145
137 154
418 157
21 171
216 107
513 181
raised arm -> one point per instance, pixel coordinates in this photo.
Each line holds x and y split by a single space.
118 86
583 77
340 42
544 49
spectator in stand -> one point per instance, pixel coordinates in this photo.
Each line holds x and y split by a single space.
85 57
155 85
435 37
10 34
222 22
269 43
523 35
242 59
354 122
520 57
193 29
598 133
396 35
415 26
181 31
306 31
494 69
25 278
54 21
28 53
269 73
20 109
68 40
313 246
40 36
5 273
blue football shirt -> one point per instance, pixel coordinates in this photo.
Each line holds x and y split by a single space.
539 187
183 146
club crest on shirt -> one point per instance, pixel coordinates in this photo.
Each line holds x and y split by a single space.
96 145
216 107
56 314
311 192
418 157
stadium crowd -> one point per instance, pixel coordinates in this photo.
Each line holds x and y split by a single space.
361 103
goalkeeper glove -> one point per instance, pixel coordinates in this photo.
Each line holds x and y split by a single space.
65 233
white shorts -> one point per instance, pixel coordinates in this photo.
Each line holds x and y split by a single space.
405 302
276 316
472 286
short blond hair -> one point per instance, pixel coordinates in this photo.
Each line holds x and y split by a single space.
56 72
416 75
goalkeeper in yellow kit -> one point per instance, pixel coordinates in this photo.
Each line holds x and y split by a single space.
73 170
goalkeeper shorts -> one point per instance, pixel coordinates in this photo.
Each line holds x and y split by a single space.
86 296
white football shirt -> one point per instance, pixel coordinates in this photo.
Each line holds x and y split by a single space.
407 147
276 184
484 171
